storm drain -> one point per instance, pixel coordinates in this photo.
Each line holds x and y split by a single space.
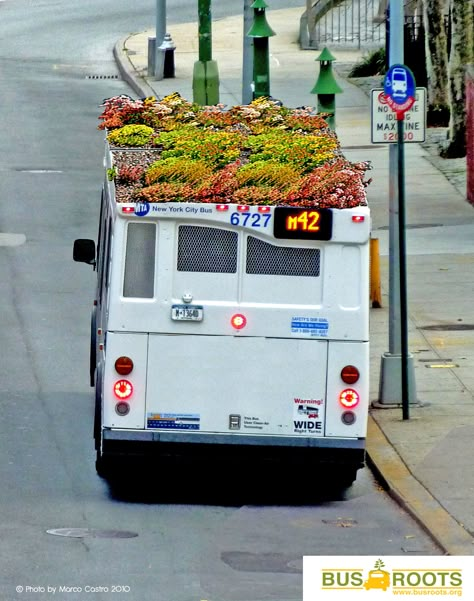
279 563
91 533
414 226
102 77
341 522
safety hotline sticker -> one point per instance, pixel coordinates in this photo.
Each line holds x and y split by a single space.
310 326
173 421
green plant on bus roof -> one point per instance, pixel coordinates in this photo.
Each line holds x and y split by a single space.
165 192
131 135
178 169
213 148
111 173
339 184
257 195
304 152
261 153
267 173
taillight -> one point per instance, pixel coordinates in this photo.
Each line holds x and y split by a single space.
349 398
123 366
238 321
350 374
123 389
122 408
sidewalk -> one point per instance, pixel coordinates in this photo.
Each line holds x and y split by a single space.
426 461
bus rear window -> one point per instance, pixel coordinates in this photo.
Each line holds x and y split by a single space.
207 249
139 273
268 259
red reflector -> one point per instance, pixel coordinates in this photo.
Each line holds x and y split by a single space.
123 366
242 208
358 218
264 209
123 389
128 209
349 398
350 374
222 207
238 321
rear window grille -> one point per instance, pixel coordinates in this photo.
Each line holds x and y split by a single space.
268 259
207 249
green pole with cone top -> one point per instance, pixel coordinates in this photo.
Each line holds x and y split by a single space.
260 32
327 87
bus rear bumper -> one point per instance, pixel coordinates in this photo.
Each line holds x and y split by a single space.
130 443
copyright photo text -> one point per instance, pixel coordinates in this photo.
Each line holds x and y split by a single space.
52 590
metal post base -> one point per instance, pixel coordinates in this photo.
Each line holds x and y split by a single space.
390 391
151 57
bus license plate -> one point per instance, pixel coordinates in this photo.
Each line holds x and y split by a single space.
187 313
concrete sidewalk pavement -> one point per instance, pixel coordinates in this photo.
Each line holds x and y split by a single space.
426 461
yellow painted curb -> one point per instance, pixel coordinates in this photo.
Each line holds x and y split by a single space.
413 496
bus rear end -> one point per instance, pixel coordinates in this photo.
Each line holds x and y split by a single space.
246 331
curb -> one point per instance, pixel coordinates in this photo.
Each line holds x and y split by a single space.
410 494
127 71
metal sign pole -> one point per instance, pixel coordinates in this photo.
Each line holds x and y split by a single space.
160 36
402 267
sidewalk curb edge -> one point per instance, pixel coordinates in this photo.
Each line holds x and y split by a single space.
410 494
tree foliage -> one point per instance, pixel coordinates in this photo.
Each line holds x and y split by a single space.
461 54
436 44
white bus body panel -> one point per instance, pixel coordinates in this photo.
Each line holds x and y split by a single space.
280 375
197 383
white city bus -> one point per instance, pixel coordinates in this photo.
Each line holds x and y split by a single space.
230 329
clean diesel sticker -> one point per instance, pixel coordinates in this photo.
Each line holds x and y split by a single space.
174 421
310 326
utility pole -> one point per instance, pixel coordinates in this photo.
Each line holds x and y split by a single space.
397 370
160 36
205 74
247 58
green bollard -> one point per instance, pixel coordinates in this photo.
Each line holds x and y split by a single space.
327 87
205 72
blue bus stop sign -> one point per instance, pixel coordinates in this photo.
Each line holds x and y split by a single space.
400 89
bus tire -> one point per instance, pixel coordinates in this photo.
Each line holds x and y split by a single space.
93 349
98 411
105 467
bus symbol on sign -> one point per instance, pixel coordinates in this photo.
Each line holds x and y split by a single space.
400 89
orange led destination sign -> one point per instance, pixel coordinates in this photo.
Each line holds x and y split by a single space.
299 223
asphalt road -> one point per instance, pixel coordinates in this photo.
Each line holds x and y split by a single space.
56 66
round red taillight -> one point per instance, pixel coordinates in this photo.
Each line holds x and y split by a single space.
349 398
238 321
123 366
350 374
123 389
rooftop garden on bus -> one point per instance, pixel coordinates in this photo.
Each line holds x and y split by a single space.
262 153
